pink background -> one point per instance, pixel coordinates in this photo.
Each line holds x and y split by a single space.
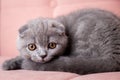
15 13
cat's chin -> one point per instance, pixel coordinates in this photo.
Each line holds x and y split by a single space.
40 61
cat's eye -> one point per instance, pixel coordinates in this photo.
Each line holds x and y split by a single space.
52 45
32 46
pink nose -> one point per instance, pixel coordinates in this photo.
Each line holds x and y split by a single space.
43 56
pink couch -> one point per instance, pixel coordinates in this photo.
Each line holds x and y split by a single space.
15 13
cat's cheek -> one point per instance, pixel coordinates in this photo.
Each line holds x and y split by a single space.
47 59
27 56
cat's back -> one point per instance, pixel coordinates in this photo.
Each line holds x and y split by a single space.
82 19
87 14
84 22
92 32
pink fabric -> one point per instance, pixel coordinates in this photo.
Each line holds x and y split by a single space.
67 6
39 75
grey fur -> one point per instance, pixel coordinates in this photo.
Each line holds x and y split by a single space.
88 41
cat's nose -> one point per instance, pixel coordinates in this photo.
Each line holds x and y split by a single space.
43 56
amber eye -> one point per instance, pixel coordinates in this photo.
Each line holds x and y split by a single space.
31 47
52 45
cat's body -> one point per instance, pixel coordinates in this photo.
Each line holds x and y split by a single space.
86 41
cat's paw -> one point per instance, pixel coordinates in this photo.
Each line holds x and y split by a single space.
9 65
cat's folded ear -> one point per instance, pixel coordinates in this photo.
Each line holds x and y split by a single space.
60 28
61 32
22 30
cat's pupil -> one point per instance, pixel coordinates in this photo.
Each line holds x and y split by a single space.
52 45
31 47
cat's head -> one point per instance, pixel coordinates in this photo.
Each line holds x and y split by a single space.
42 39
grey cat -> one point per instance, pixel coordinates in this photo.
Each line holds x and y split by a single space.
82 42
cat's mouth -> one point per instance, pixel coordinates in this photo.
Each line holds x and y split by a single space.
40 59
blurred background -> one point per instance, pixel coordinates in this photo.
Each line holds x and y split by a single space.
15 13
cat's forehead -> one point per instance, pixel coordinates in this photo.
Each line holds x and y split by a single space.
41 30
42 26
